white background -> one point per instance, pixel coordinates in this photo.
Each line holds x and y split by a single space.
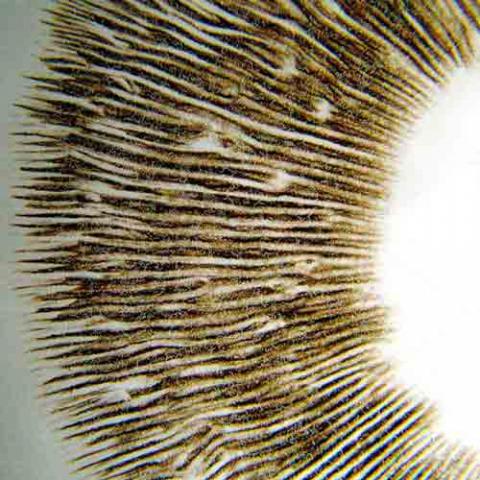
28 448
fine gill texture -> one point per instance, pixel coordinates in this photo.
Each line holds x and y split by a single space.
203 184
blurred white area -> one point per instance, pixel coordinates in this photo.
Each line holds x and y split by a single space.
431 259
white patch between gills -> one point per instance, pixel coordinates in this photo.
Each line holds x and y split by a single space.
323 110
289 67
206 143
280 181
211 139
119 392
270 324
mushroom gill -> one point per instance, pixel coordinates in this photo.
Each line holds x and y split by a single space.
203 182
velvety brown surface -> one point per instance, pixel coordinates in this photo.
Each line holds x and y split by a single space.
203 183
